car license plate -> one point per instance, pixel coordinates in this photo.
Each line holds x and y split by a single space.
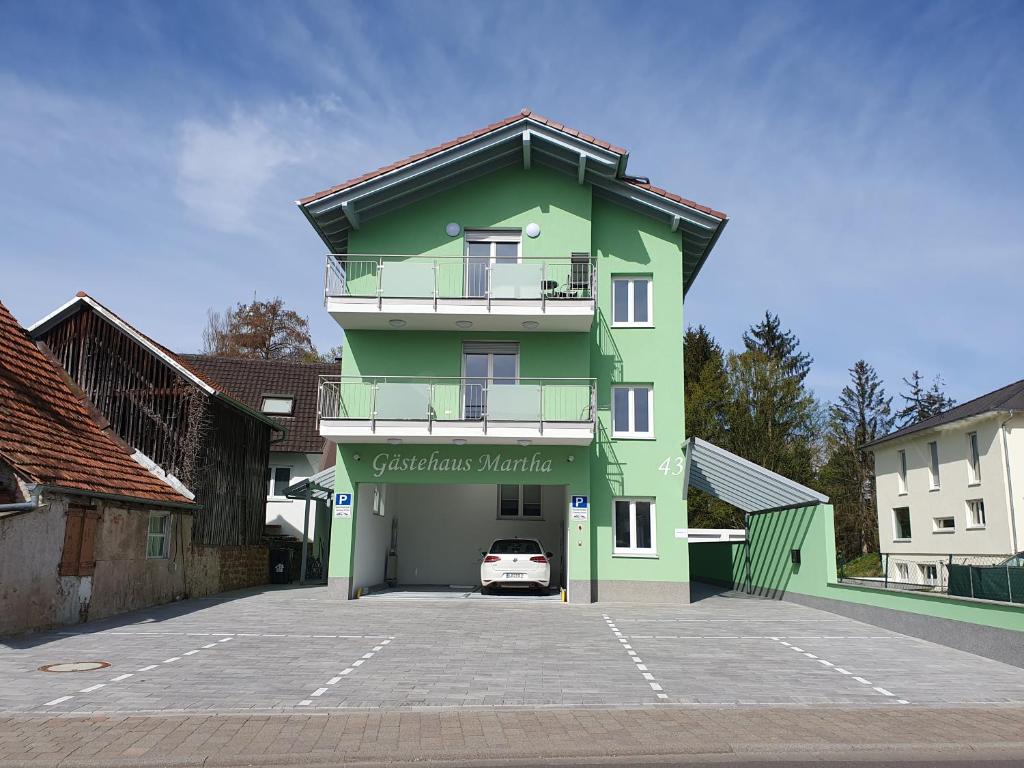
515 575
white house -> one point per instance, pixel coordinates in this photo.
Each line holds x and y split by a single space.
953 486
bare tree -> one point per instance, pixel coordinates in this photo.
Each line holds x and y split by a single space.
263 330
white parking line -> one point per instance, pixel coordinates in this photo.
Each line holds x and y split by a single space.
841 671
345 672
640 666
119 678
92 688
57 701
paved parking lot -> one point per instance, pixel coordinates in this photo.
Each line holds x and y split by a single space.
296 650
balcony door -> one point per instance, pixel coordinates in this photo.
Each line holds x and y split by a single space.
484 248
483 366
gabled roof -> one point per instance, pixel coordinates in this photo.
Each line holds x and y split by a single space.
48 435
523 138
83 300
1008 398
251 380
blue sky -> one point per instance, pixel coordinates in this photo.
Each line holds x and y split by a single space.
868 153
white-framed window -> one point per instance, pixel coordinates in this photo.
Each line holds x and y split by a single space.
519 502
933 466
903 571
278 405
484 248
901 475
929 573
976 513
633 411
632 302
973 459
901 523
379 494
278 480
158 536
634 527
943 525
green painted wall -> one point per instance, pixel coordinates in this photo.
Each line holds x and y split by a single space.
624 243
772 537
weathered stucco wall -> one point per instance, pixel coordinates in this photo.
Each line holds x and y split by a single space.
30 547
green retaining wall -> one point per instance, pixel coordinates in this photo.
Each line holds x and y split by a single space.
772 537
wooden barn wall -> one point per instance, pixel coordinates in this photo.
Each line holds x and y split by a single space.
218 452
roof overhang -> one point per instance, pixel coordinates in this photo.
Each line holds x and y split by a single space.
947 426
525 142
741 483
319 487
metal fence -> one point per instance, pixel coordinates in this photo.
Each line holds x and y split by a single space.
967 575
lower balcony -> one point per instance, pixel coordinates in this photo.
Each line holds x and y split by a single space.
460 411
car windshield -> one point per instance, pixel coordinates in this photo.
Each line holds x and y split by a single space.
515 547
1015 561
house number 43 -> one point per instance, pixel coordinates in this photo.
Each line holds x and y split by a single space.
673 465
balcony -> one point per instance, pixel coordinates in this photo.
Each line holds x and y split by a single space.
376 292
397 409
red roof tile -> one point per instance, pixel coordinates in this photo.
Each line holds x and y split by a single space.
48 434
522 115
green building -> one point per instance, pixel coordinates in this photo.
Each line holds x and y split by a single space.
512 302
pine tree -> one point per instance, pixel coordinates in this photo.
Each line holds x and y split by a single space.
862 413
768 338
921 403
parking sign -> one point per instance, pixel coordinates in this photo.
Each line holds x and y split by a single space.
580 507
343 505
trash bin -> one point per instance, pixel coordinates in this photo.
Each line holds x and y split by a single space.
280 566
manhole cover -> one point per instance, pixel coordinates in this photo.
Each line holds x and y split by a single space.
74 666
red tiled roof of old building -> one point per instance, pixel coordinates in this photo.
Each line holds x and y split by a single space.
48 435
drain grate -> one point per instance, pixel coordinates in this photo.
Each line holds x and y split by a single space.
75 666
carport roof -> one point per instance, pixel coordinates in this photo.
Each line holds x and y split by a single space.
321 485
739 482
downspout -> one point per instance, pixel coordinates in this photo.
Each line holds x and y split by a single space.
25 506
1009 484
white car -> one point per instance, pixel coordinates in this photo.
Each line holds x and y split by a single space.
520 562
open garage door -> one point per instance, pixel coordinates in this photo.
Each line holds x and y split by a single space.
419 536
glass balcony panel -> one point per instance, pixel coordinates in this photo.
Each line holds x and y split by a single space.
514 402
516 281
349 399
403 400
446 403
567 402
407 279
360 277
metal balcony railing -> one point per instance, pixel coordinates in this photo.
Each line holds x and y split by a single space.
459 277
451 399
928 572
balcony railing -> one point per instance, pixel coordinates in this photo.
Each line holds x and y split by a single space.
459 277
484 402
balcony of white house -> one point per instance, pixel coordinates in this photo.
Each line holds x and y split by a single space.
397 409
388 292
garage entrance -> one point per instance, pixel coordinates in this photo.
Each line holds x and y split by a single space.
410 537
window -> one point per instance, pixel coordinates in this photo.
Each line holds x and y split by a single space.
278 480
78 556
482 250
973 459
944 524
929 573
515 547
901 523
903 571
483 366
902 474
158 539
519 501
975 513
933 451
633 411
279 405
634 527
632 302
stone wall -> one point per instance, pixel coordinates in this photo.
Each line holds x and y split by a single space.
222 569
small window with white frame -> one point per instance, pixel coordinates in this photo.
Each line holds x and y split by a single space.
933 465
903 572
944 524
901 472
973 459
632 302
634 527
976 513
633 411
278 480
901 523
929 573
278 405
158 538
519 502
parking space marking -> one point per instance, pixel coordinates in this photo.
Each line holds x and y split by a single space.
640 666
347 671
840 670
126 675
223 634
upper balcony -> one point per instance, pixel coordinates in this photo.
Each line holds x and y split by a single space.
397 409
440 293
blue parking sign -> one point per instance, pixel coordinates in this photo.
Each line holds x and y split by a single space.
580 502
343 499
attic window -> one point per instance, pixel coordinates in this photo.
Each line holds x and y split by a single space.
278 405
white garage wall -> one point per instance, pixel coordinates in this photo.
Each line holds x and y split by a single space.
443 528
373 537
